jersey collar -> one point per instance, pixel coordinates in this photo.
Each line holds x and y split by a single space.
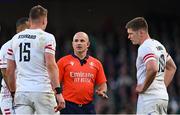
82 61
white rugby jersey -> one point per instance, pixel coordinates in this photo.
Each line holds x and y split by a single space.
28 50
3 64
152 50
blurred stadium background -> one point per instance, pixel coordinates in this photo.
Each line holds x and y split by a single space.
104 21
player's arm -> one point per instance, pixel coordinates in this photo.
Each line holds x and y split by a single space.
52 69
151 71
169 71
53 74
9 77
3 72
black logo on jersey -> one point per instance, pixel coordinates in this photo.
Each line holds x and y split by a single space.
159 48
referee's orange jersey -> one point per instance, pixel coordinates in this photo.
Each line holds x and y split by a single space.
79 78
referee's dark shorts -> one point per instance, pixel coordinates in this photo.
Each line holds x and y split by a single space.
73 108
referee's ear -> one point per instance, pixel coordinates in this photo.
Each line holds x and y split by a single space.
88 44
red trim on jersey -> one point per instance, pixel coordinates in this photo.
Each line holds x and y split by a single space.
10 50
8 113
9 53
148 56
6 109
49 47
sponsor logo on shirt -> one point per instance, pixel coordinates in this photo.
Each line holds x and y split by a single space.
82 77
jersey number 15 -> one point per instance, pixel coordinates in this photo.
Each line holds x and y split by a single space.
24 52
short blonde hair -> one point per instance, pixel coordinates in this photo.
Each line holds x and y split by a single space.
37 12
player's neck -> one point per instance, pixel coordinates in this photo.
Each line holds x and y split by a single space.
145 37
36 27
80 55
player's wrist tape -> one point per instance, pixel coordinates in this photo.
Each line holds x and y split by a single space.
58 90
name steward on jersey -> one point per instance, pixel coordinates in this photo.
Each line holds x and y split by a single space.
81 77
27 36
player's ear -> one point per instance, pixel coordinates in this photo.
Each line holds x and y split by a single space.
30 22
72 44
141 31
43 21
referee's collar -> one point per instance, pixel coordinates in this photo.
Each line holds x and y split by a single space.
82 61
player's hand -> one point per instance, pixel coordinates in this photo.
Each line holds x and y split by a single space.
61 102
102 94
139 88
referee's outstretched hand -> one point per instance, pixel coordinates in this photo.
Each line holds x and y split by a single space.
102 94
61 102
